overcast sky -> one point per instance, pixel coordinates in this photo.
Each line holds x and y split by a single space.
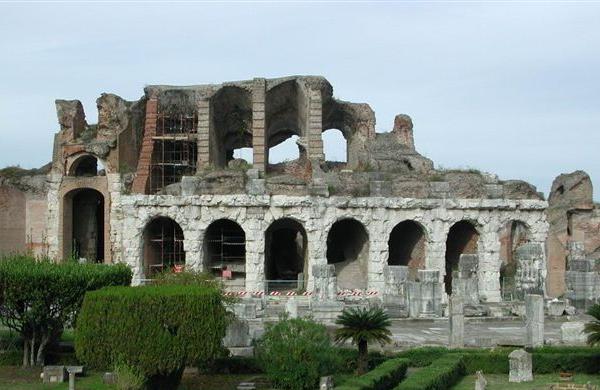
506 87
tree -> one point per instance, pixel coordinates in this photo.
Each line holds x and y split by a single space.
592 328
361 326
39 298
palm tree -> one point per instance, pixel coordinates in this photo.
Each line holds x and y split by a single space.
593 328
361 326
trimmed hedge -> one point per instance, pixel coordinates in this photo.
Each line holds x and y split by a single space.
157 330
442 374
424 356
383 377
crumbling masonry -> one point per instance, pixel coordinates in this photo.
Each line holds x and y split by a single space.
156 184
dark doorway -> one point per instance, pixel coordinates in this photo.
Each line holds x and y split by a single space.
285 256
87 225
407 246
348 249
462 239
225 249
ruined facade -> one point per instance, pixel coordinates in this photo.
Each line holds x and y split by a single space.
157 184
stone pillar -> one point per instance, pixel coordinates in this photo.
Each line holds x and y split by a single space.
413 298
259 136
530 260
457 322
431 293
324 282
255 250
315 125
581 278
204 122
534 320
143 169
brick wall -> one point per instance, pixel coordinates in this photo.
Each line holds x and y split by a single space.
140 183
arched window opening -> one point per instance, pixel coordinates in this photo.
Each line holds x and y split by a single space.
285 255
512 236
462 239
232 124
163 246
335 148
86 166
225 250
348 250
83 226
406 246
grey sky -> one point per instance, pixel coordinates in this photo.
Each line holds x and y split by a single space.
510 88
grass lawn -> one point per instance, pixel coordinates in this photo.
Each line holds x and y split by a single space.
17 378
500 382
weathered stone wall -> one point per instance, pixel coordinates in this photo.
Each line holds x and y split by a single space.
12 220
379 216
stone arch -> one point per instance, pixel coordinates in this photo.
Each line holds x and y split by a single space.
232 123
225 250
86 165
84 224
286 249
162 246
348 250
407 245
286 105
462 239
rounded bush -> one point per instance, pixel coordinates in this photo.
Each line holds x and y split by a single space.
157 330
295 353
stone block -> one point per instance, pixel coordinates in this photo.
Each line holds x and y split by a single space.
326 383
326 311
237 334
380 188
318 189
245 310
253 173
246 386
414 298
109 378
291 308
256 187
54 374
556 307
520 366
480 381
241 351
571 333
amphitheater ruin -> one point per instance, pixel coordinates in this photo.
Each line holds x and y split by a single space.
158 184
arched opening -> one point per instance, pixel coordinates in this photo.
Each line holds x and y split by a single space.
285 114
163 246
225 250
512 235
406 246
285 255
462 239
335 149
83 225
86 166
232 124
348 250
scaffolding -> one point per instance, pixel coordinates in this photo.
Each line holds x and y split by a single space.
166 243
226 250
174 151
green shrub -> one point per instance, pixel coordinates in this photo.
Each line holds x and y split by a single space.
581 362
489 362
439 375
158 330
38 298
383 377
349 359
295 353
128 378
424 356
